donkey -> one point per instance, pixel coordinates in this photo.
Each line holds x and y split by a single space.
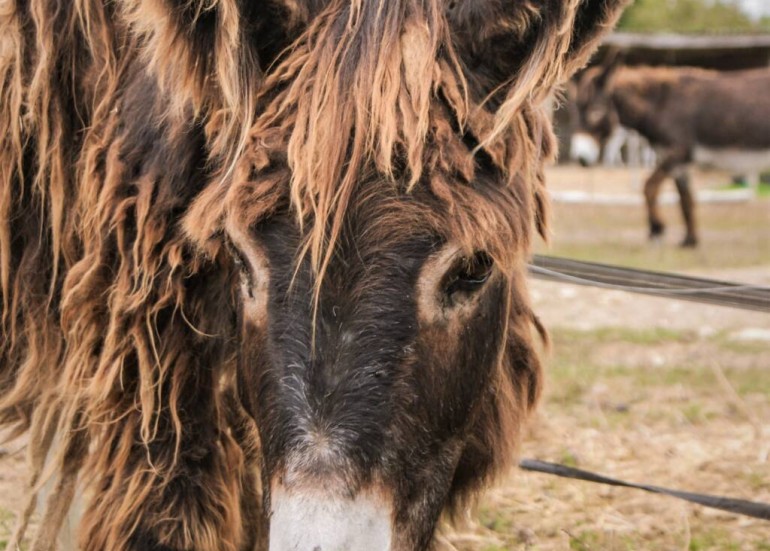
690 116
262 263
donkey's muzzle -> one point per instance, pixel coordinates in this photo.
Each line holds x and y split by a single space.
585 149
314 520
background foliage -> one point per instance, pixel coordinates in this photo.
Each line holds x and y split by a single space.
690 16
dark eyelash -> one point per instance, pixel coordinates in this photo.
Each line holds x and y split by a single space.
241 264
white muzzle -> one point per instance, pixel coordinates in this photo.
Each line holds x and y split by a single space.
585 148
306 520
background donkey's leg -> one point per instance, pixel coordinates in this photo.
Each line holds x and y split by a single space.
687 203
669 162
651 192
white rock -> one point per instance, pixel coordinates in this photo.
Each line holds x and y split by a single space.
751 334
567 292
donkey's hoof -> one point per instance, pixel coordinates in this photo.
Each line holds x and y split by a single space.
657 229
689 242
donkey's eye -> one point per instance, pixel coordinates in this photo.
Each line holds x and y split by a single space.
238 260
469 274
241 264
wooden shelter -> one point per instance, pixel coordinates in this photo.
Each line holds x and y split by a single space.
724 52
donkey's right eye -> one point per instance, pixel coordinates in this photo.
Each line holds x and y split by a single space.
469 275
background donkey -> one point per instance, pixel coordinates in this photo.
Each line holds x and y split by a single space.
262 264
711 118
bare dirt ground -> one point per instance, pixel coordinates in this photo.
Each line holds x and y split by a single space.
646 389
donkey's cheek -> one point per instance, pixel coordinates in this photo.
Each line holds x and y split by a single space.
464 354
252 364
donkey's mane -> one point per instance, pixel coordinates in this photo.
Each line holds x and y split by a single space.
136 132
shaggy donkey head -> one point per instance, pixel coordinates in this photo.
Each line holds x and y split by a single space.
595 115
381 215
263 261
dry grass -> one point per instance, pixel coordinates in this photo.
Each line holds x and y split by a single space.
734 235
645 407
731 235
645 390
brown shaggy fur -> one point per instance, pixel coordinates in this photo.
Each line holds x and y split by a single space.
138 133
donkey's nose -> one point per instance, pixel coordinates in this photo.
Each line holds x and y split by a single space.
310 520
585 149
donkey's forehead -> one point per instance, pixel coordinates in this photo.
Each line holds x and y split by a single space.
387 218
376 232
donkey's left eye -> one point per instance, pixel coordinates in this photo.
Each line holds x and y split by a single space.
470 274
239 261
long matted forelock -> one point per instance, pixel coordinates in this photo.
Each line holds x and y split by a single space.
108 334
378 87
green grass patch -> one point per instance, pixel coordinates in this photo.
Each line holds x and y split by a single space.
732 236
696 413
641 255
749 381
656 335
715 539
585 340
595 540
580 375
579 362
586 541
495 521
758 482
763 190
724 341
568 458
6 525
